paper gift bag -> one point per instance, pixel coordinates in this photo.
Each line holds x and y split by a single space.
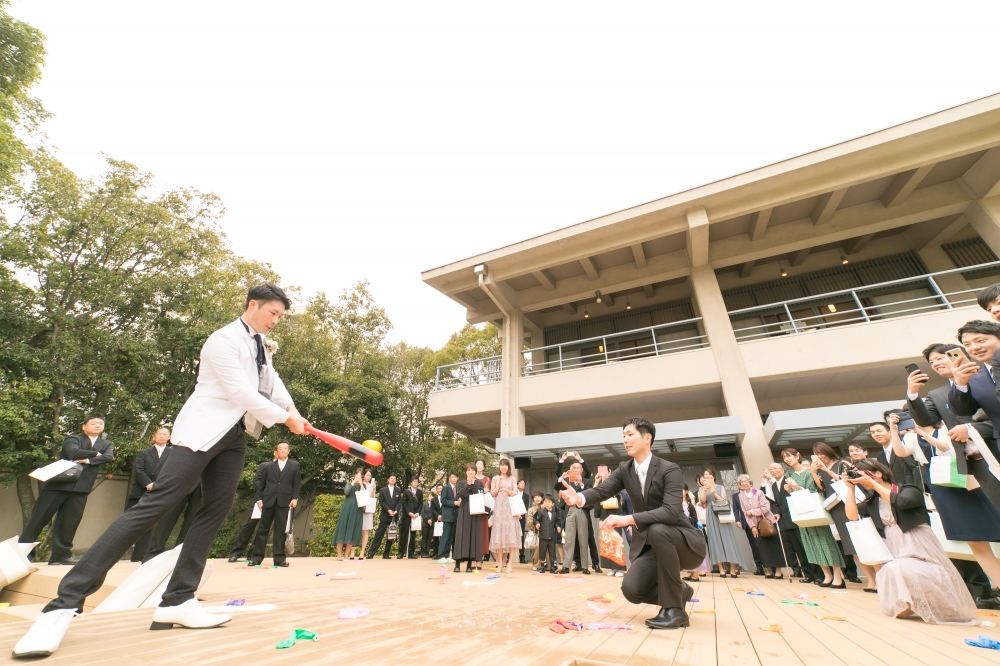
944 472
255 514
806 509
362 497
415 524
438 529
60 470
869 546
489 501
517 507
477 505
371 506
289 536
841 488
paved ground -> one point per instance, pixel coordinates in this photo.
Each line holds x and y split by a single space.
418 621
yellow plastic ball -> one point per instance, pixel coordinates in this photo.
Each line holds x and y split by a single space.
372 444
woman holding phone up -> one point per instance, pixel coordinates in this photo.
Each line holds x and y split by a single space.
820 546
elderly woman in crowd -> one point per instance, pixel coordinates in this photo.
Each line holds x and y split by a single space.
762 523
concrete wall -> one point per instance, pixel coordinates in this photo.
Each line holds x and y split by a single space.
104 505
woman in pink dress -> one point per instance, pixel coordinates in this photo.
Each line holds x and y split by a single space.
506 534
485 480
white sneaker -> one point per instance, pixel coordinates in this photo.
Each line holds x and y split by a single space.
45 634
189 614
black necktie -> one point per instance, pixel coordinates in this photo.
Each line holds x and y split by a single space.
261 358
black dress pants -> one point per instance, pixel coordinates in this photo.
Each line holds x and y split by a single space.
219 468
654 576
407 539
188 507
244 538
271 518
383 524
141 548
427 545
447 539
796 552
68 508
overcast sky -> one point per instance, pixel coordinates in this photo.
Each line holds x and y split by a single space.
353 140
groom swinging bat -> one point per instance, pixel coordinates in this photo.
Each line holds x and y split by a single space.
663 541
237 392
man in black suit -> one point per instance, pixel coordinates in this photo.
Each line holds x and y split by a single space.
148 463
936 407
428 514
278 494
901 466
448 515
413 498
391 501
773 485
663 540
246 534
527 505
66 500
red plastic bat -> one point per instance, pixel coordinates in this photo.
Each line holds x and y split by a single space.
347 446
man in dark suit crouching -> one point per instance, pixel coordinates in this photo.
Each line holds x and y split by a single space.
278 494
664 541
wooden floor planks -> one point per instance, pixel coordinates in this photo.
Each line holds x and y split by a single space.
414 620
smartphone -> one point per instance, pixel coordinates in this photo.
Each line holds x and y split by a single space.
911 368
959 354
602 470
815 458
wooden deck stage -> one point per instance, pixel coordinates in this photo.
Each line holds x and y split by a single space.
418 621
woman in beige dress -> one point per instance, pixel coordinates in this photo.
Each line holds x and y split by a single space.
506 534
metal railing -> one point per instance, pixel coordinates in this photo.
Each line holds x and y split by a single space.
468 373
865 304
616 347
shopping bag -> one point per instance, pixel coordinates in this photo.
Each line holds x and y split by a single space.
841 488
371 506
361 497
438 529
477 505
869 546
489 501
806 510
255 514
726 518
60 470
831 501
530 540
944 472
289 537
517 507
415 524
612 546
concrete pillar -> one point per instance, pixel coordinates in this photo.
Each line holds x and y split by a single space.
511 415
936 260
736 390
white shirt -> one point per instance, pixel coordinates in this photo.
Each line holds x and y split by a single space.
281 464
391 488
92 441
159 449
641 469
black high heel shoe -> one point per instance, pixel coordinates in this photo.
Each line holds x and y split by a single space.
842 586
821 584
457 568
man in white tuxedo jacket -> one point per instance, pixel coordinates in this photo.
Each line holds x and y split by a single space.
238 391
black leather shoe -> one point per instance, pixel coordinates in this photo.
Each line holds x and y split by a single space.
585 572
598 570
70 562
796 573
253 564
283 564
759 571
564 571
987 604
806 580
688 594
852 579
233 559
669 618
842 586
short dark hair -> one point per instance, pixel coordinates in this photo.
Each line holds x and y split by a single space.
824 449
266 292
988 296
859 445
938 347
451 474
790 451
980 326
644 426
709 470
549 497
90 417
415 479
471 466
538 493
881 424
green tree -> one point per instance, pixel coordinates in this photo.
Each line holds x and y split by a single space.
22 54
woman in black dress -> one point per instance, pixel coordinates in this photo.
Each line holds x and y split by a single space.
468 530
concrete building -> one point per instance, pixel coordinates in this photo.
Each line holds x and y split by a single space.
777 307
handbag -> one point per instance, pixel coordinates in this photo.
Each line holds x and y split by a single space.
392 534
868 544
944 472
610 504
438 529
289 536
806 510
530 541
59 471
477 505
517 507
721 506
415 524
766 529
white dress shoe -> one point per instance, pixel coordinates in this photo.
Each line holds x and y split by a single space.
45 634
189 614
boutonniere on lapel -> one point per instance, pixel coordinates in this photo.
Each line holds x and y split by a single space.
272 346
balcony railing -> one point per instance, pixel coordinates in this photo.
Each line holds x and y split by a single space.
601 350
874 302
468 373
